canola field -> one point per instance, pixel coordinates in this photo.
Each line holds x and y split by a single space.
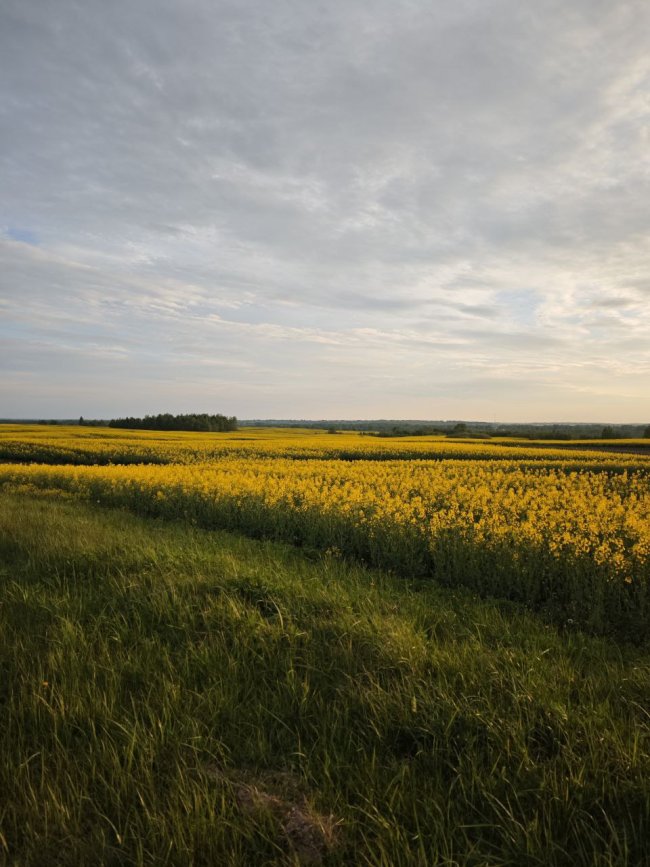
101 446
565 532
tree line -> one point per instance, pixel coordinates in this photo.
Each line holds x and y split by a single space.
453 428
202 422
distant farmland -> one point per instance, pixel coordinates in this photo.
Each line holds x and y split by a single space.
426 651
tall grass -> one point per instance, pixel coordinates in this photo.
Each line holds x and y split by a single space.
172 696
575 545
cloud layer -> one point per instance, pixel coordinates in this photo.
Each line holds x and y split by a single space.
342 209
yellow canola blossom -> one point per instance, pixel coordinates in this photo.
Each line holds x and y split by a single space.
562 529
578 541
89 445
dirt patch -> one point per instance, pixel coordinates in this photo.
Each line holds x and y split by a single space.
309 834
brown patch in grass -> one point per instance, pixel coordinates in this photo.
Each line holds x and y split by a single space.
310 835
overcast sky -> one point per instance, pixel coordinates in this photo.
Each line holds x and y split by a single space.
343 209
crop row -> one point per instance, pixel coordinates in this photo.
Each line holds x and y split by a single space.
575 544
95 446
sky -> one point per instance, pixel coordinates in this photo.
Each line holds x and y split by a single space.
309 209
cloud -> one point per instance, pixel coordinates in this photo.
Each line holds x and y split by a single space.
448 200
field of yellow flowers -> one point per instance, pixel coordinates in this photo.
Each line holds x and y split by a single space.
90 446
564 532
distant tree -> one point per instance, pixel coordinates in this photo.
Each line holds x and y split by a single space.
646 432
459 429
81 420
199 422
607 433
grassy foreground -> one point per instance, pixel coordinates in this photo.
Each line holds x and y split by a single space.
175 696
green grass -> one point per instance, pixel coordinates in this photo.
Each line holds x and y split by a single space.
175 696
